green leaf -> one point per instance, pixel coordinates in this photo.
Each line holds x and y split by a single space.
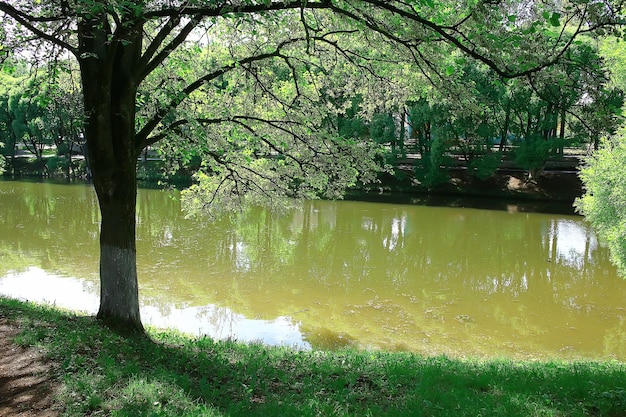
512 18
450 69
554 19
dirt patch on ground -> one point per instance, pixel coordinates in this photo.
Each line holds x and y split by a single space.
27 387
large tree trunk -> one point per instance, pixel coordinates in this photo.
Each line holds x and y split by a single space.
109 95
119 293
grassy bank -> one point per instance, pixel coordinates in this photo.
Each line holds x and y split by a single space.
168 374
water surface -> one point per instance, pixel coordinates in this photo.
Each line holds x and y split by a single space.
433 280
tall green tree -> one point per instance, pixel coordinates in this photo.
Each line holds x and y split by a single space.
121 44
9 87
64 115
23 113
40 107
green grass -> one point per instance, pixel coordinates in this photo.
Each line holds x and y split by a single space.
169 374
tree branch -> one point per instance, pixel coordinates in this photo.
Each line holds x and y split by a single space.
142 135
224 10
29 21
167 28
147 64
443 32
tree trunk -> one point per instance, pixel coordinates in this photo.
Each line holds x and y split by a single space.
119 293
505 128
115 182
562 132
109 96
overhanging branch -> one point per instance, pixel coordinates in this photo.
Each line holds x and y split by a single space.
223 9
446 33
28 21
141 139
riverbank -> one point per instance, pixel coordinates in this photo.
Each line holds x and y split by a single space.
551 186
560 183
94 371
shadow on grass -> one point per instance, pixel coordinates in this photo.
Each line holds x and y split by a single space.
168 374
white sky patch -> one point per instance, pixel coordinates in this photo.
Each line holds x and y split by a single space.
37 285
574 243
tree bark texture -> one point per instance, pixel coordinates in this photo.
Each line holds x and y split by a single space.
109 97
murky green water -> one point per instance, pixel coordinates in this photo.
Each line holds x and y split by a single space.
455 281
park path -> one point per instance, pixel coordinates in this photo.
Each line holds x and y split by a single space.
26 384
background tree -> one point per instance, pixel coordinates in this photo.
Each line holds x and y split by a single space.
10 81
40 108
64 117
26 110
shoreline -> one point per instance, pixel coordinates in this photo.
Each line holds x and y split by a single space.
93 370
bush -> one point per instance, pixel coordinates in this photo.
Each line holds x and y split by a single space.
484 166
57 165
532 154
432 169
604 201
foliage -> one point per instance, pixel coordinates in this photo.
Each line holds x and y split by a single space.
532 153
604 201
431 170
470 92
8 86
612 50
170 90
603 176
480 117
278 136
350 124
484 166
169 374
38 110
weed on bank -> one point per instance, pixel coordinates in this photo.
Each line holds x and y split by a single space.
169 374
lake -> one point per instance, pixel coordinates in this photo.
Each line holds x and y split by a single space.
457 281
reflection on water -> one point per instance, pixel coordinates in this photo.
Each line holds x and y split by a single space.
434 280
224 323
570 244
35 284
